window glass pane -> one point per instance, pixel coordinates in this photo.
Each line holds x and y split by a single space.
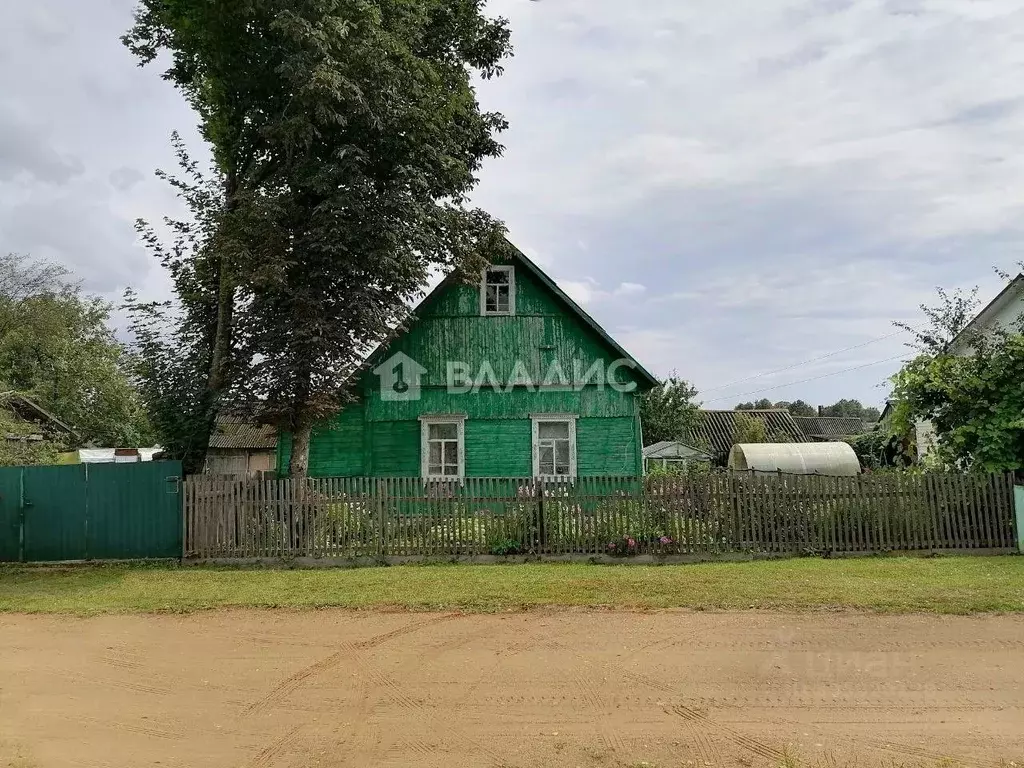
497 277
434 457
502 300
547 460
451 452
562 456
492 299
443 431
451 470
548 430
434 469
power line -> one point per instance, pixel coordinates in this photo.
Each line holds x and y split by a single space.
804 381
805 362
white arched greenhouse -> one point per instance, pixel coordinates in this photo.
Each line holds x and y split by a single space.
834 459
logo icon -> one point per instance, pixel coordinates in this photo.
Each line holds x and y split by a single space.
399 378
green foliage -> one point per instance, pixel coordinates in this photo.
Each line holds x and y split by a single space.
974 400
56 347
976 404
870 448
750 430
851 408
758 405
18 446
798 408
668 412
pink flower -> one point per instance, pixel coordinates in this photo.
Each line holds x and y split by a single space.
665 540
631 542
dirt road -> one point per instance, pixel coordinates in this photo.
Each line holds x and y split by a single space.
272 689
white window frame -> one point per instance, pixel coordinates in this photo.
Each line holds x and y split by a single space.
557 418
510 270
459 420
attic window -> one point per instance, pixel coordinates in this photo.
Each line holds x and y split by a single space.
498 291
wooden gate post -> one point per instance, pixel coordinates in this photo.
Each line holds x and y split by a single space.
1018 505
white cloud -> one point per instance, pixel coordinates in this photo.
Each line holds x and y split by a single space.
734 186
589 291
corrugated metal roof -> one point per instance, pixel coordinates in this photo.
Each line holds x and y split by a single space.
717 429
233 432
830 427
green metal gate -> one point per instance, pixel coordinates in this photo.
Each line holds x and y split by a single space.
90 512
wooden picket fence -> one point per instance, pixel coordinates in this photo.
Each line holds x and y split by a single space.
710 514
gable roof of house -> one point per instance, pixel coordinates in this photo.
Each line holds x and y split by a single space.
646 377
234 432
717 429
978 325
830 427
30 410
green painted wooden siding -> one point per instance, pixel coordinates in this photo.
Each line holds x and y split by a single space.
540 334
380 438
494 448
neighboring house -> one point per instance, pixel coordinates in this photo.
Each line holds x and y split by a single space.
239 448
672 453
829 428
34 423
507 377
1004 312
717 429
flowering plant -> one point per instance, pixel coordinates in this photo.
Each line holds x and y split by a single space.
623 547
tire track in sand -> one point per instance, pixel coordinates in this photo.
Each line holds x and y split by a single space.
291 684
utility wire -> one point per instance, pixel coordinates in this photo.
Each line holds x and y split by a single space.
804 381
805 362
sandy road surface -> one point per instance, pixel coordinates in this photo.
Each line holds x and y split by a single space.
268 689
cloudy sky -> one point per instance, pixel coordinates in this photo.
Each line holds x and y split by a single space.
731 188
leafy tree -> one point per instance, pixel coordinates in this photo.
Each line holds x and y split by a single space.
174 342
750 429
759 405
668 411
798 408
975 401
844 408
945 321
348 136
56 347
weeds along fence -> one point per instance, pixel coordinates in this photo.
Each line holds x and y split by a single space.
605 516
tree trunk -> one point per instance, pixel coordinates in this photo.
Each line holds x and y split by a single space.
223 335
220 349
298 464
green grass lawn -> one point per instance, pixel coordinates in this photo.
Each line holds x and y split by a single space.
939 585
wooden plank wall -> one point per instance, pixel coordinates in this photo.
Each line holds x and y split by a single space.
717 513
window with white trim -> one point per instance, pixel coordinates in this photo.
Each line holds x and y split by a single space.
442 454
554 446
498 291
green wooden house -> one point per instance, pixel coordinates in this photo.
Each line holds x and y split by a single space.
506 378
